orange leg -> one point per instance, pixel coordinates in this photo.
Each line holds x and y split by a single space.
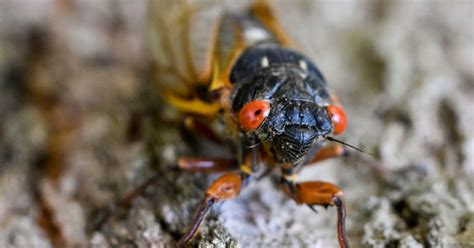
202 165
225 187
206 165
325 152
323 194
329 151
334 150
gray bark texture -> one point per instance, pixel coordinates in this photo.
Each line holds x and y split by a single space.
81 125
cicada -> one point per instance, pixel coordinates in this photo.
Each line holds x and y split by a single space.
240 70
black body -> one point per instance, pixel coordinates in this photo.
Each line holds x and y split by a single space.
297 93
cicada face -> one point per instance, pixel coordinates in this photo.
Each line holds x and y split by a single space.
290 135
289 110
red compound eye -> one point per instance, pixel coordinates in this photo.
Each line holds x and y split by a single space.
253 114
338 118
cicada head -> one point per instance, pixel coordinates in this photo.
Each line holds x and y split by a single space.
293 127
286 110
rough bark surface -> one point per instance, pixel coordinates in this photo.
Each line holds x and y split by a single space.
80 126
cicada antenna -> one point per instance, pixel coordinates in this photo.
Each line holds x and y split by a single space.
346 144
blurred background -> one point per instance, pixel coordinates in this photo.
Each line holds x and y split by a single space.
80 125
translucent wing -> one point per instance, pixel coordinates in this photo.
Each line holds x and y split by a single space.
174 53
194 44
